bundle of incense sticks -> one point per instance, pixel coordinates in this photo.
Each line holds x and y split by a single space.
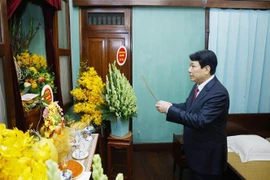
148 87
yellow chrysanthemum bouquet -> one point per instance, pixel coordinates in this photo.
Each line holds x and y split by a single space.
32 70
87 96
22 156
34 73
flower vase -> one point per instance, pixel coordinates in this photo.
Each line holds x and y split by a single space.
119 128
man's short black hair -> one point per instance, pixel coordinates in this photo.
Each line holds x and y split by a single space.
205 57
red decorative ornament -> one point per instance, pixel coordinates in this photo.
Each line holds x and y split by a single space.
121 55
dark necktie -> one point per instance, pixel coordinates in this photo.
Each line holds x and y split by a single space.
195 93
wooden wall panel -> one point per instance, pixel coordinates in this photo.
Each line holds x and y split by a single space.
100 42
251 4
102 50
97 55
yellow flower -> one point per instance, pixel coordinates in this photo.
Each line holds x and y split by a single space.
33 69
17 157
34 85
87 95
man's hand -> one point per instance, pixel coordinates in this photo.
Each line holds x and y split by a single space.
163 106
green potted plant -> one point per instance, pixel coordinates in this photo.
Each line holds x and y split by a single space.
119 101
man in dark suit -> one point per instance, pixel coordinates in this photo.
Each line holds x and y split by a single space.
204 116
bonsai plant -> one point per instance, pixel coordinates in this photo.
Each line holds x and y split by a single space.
119 101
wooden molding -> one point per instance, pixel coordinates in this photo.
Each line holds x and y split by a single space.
137 147
257 123
251 4
243 4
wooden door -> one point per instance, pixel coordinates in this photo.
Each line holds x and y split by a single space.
102 50
101 38
103 31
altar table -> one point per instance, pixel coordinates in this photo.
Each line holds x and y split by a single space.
87 162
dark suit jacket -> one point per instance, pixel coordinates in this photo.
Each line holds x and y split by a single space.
204 120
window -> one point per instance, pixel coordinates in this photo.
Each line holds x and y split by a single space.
64 53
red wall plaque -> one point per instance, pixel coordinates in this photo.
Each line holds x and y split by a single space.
121 55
